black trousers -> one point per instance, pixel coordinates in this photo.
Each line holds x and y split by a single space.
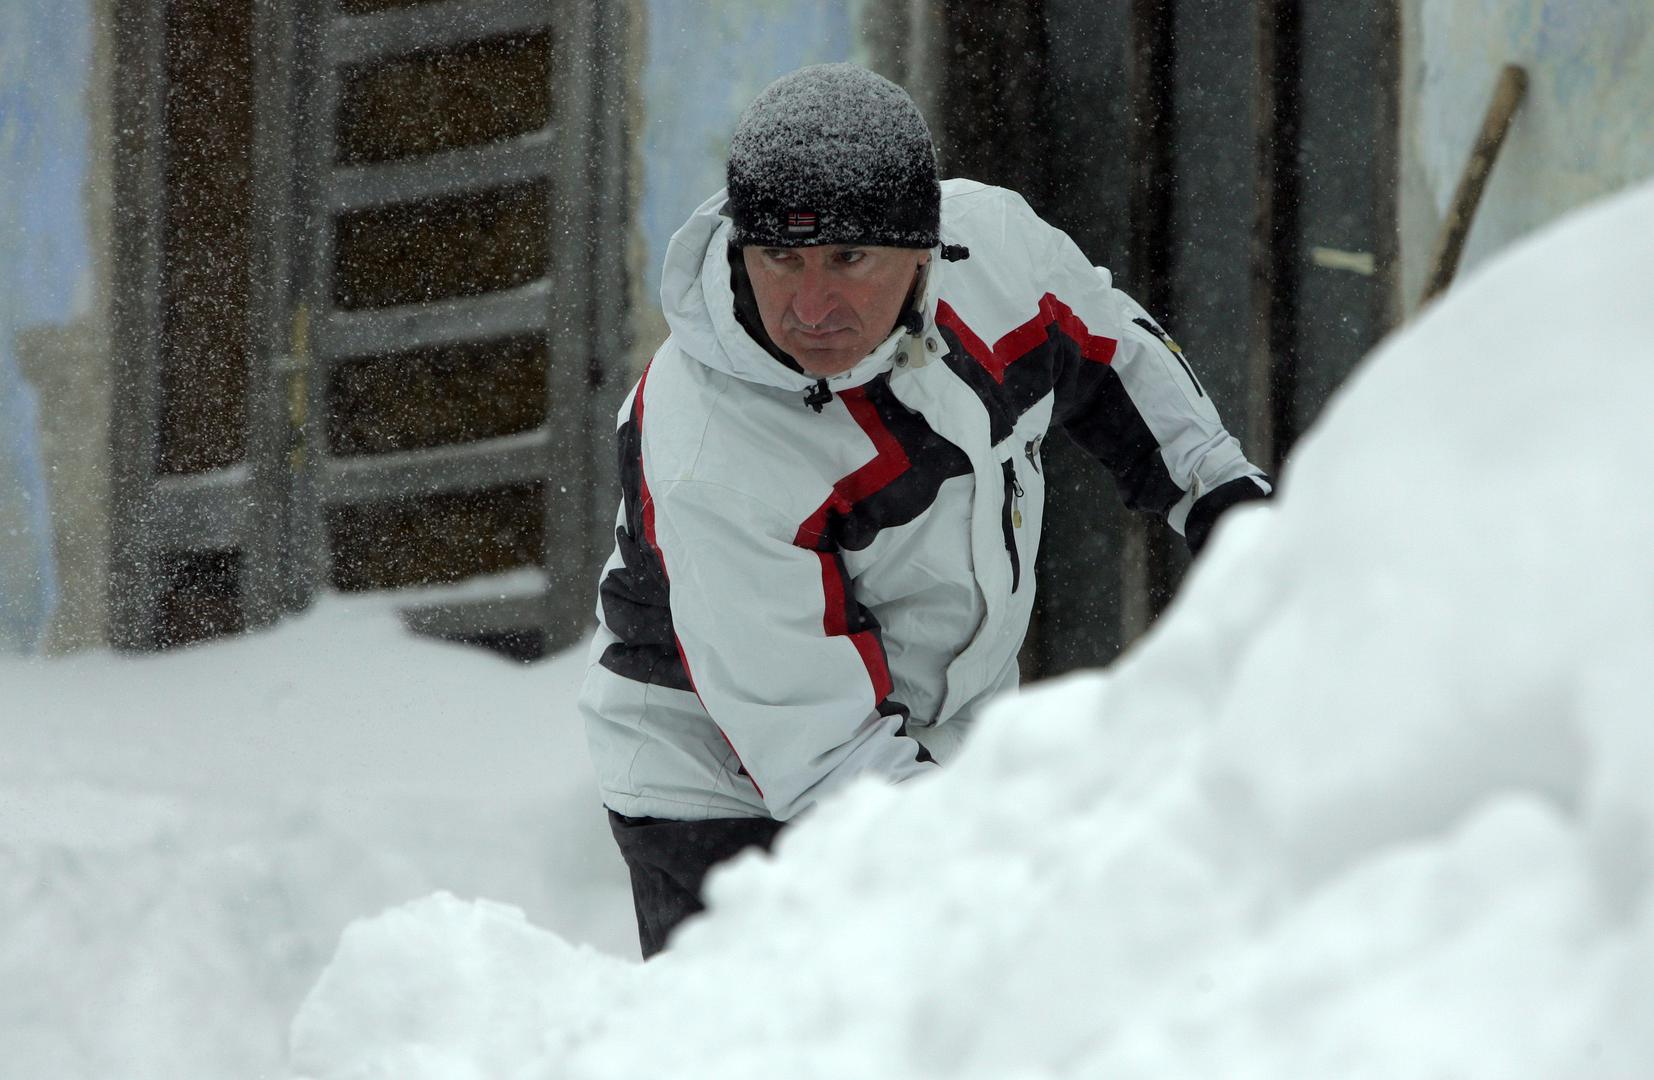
669 861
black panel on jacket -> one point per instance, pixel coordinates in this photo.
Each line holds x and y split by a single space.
634 594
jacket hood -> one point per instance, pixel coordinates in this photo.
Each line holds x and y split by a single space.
698 300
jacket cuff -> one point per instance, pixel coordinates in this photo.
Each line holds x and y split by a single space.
1204 514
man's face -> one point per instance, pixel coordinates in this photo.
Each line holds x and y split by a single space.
829 306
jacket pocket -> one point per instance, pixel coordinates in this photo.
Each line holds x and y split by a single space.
1023 480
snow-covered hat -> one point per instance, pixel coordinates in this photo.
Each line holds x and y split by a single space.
833 154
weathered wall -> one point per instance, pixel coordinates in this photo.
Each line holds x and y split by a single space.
702 64
1583 130
53 357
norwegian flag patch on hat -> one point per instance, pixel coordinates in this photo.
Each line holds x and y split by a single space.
802 223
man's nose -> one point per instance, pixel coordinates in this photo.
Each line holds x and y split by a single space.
815 299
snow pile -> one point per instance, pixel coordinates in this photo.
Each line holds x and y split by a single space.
184 836
1370 801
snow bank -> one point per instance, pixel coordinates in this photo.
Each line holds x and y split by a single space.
184 836
1370 801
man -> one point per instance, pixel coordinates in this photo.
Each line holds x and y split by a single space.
832 479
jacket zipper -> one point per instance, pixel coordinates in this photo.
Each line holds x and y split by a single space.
1173 348
1011 519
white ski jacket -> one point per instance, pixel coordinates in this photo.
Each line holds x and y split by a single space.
801 594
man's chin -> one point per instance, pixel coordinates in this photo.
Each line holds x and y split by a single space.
825 363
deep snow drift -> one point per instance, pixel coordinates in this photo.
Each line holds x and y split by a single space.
1371 800
183 836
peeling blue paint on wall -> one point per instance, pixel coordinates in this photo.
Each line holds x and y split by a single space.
45 270
28 586
703 63
45 54
1582 130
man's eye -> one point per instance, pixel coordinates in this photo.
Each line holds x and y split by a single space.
850 258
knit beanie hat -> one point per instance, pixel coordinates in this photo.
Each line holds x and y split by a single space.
833 154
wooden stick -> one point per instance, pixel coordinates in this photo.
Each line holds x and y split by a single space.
1507 95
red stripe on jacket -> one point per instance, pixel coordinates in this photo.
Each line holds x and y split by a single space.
1027 337
646 500
888 462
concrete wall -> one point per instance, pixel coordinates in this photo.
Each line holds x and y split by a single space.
1584 130
27 573
702 64
52 357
